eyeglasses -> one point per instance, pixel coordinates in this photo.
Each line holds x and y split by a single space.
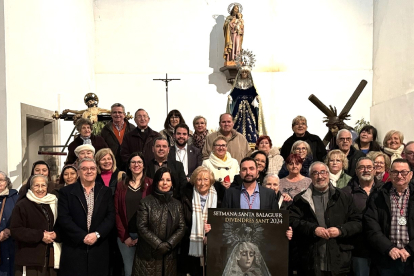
85 169
365 168
322 173
221 146
301 149
410 153
342 139
396 173
142 116
3 181
136 162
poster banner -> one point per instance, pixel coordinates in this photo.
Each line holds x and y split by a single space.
247 242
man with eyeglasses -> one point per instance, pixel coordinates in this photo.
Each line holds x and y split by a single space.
140 139
324 219
344 143
113 132
86 216
360 188
237 144
388 227
408 154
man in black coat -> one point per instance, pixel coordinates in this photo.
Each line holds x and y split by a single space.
299 127
324 219
160 150
360 187
389 224
344 143
249 195
188 155
113 132
140 139
86 216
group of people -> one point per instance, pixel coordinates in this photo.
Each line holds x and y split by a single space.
134 201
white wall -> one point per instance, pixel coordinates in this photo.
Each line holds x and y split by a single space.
393 64
49 58
302 47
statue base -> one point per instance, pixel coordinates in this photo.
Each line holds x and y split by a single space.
230 70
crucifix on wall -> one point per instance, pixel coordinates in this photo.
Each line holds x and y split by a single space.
166 80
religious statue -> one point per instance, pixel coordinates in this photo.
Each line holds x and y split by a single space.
335 122
244 103
233 33
91 100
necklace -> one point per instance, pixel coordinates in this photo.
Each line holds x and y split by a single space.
401 219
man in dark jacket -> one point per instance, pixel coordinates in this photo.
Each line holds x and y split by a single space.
323 219
387 224
299 127
360 187
189 155
114 131
140 139
344 143
160 150
249 195
86 216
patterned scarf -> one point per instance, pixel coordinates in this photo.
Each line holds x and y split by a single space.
199 139
199 217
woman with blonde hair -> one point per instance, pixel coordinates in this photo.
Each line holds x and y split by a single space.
393 144
337 163
108 173
382 165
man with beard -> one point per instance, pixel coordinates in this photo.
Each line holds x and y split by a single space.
250 195
388 223
360 188
188 155
323 219
160 149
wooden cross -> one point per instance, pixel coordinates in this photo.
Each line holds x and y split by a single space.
331 112
166 80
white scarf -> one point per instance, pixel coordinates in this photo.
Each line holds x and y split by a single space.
51 200
5 192
219 163
394 153
199 217
334 177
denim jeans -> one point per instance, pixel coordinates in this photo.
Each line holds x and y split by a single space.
128 254
360 266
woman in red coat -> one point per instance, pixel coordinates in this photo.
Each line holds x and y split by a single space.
128 195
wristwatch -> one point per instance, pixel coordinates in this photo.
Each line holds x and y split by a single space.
97 235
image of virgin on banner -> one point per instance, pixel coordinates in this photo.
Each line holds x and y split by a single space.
247 242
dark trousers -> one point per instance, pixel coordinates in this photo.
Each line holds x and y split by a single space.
397 268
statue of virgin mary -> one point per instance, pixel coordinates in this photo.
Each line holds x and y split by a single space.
244 102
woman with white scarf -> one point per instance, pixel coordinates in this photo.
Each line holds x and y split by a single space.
221 163
32 223
393 144
198 196
337 163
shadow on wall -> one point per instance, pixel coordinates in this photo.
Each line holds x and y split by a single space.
216 56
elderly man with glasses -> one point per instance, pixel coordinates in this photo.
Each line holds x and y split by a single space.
323 219
86 216
408 154
360 188
344 143
388 227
